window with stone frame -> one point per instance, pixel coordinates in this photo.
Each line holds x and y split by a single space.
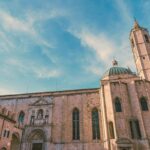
118 107
144 105
95 124
21 117
135 129
75 124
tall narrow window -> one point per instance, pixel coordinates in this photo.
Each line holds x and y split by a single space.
146 38
118 105
144 105
111 130
21 117
95 124
76 124
135 129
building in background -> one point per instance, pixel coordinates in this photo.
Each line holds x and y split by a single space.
9 132
115 116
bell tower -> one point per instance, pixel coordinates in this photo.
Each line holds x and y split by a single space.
140 44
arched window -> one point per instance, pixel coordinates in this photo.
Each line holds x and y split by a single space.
95 124
135 129
118 105
111 130
76 124
144 105
21 117
40 114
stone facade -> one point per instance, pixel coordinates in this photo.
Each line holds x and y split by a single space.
115 116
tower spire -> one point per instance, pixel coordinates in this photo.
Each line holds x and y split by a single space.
140 43
136 24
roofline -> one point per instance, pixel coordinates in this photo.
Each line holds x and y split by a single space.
49 93
129 72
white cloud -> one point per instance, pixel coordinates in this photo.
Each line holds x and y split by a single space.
102 46
12 23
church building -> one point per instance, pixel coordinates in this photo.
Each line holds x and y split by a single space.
115 116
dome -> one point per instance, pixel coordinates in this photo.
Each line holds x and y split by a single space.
116 70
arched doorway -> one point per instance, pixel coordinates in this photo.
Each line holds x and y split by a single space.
15 142
36 139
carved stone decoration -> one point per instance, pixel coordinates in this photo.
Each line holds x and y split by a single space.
43 101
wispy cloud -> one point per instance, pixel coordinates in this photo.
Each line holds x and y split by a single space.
12 23
25 26
38 70
45 73
125 11
6 44
102 46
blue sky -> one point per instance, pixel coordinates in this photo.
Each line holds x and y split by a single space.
48 45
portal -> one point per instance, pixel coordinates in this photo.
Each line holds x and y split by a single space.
37 146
